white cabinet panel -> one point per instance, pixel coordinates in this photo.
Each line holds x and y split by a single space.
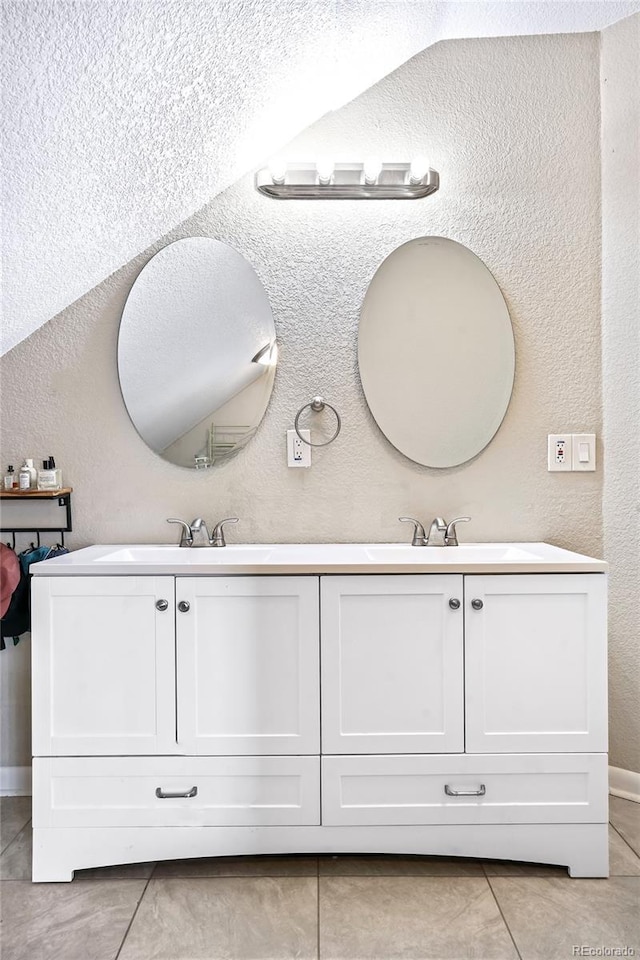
220 791
103 666
392 670
248 665
535 663
557 788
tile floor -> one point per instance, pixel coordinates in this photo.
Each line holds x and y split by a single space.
333 908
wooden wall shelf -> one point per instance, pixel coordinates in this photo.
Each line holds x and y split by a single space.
63 496
34 494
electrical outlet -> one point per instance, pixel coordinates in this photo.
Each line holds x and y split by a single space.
559 451
298 452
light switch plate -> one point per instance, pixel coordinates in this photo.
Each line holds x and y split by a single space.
559 451
584 451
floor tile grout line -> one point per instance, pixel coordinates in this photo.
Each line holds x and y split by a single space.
504 919
15 836
624 839
13 840
135 913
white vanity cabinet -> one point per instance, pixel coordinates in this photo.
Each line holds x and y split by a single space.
248 665
435 713
103 667
392 665
536 663
239 656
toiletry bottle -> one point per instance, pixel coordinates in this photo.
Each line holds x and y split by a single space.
10 479
24 477
48 476
58 473
32 472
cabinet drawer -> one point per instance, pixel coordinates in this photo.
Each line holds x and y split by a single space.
538 788
223 791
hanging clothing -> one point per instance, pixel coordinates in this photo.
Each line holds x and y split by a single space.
17 619
9 576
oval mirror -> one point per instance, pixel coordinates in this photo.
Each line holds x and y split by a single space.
436 352
196 352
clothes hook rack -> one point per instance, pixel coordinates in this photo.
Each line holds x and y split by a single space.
63 497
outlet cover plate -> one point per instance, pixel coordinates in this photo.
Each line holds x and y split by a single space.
559 452
298 453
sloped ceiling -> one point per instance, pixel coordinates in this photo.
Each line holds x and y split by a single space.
124 117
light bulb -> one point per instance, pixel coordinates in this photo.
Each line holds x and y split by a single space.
419 168
324 168
372 168
277 170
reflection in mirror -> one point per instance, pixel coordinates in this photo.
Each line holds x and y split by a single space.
197 352
436 352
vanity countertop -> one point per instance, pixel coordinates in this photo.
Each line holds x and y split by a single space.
315 558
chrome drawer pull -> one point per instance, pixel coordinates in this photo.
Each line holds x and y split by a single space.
465 793
161 795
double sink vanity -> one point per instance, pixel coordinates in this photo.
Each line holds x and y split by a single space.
319 698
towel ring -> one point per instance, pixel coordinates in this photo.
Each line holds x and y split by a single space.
317 405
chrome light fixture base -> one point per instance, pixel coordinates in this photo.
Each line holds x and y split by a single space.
300 181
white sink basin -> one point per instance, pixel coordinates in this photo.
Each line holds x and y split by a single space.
467 553
161 553
315 558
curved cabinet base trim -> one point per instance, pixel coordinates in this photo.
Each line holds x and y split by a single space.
582 847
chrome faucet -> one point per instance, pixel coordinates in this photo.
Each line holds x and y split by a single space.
186 536
438 526
198 526
217 538
450 537
419 536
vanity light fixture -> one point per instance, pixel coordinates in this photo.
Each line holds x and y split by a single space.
267 355
277 170
324 180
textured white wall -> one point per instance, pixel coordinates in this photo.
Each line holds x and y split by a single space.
513 127
620 84
123 117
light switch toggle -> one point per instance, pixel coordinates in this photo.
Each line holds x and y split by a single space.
584 451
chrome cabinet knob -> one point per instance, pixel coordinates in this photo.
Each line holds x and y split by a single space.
184 606
162 604
454 603
477 604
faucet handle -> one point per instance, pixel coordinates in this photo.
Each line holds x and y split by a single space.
217 537
450 537
419 536
186 537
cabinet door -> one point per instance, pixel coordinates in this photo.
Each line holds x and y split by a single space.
536 663
103 666
391 664
248 665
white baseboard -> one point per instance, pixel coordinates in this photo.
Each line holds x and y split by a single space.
15 781
624 783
